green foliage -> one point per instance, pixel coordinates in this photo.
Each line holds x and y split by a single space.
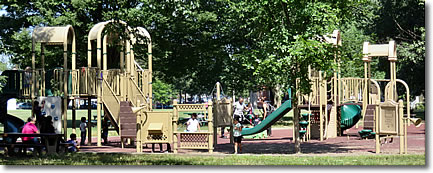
162 92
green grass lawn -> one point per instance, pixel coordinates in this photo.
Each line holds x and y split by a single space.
172 159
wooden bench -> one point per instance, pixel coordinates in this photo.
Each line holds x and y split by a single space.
48 140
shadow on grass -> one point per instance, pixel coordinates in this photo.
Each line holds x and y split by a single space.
95 159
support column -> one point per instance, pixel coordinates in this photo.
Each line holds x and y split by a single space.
401 134
320 105
89 120
43 69
175 117
65 91
73 116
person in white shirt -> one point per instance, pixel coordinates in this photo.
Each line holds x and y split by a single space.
192 124
83 127
239 108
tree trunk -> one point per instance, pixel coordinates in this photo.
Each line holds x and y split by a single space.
296 138
277 96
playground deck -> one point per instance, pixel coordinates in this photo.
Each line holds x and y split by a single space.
281 143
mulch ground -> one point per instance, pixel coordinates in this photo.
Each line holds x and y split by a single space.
281 142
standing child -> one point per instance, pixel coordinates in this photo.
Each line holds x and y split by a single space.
83 127
105 125
237 134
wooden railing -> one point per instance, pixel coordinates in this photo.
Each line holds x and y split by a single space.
110 100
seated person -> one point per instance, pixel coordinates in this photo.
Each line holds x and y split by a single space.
257 120
47 125
74 147
30 128
192 124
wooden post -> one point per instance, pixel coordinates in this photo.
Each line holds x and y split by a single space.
139 145
210 127
175 118
320 105
401 134
43 69
89 121
73 117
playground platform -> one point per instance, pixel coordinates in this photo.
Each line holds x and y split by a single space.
281 142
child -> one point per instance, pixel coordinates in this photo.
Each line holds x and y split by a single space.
74 147
237 134
105 126
83 127
250 113
193 125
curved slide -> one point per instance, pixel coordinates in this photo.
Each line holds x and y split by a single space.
350 115
270 119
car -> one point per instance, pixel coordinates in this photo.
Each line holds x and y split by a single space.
25 105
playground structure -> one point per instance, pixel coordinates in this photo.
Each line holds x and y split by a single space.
337 104
123 93
123 90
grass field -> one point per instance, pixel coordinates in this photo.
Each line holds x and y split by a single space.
171 159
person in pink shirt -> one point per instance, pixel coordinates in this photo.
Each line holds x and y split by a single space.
30 128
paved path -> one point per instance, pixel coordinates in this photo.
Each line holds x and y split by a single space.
281 143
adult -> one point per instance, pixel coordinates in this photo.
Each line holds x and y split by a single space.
47 125
192 124
30 128
239 108
37 112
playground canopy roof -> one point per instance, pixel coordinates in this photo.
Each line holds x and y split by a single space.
54 35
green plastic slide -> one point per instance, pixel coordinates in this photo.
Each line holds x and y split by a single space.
270 119
350 115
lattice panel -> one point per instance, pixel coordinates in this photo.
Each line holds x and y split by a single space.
151 137
194 140
183 107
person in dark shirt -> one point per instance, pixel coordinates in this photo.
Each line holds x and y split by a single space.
47 125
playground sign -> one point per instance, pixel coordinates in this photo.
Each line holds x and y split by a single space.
388 118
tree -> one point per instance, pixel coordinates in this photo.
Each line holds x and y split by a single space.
162 92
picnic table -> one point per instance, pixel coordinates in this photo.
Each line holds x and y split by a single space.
50 141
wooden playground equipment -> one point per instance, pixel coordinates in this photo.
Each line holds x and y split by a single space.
123 90
327 107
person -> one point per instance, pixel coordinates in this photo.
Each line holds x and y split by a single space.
250 113
74 147
105 126
237 135
37 113
257 120
47 125
239 108
192 124
265 108
83 130
30 128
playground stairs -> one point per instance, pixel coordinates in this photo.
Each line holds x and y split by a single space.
128 121
368 122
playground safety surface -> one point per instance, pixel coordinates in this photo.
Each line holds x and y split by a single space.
281 143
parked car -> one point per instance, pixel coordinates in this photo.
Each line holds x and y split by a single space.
24 105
